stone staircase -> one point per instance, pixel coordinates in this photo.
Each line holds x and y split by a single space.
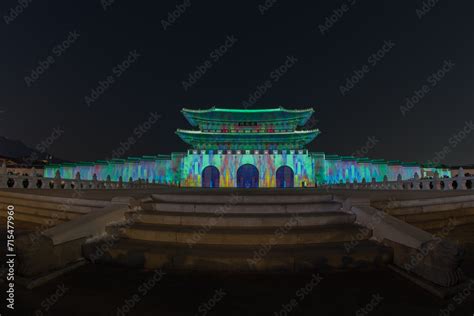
432 214
225 232
46 210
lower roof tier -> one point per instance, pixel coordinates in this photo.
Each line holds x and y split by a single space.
232 141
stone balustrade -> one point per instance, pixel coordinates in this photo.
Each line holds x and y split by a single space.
460 182
37 182
417 183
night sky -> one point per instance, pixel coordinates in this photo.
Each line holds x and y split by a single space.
323 45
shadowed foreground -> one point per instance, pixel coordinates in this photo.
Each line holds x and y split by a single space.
101 290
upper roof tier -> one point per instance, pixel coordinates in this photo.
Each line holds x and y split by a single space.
274 140
217 118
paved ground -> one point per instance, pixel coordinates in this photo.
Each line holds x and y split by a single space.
105 290
99 290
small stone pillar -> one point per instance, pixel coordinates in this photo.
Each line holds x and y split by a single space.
3 168
385 182
77 181
436 182
399 182
57 180
108 182
416 182
461 179
94 181
3 175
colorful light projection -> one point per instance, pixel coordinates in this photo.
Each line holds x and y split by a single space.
227 139
186 170
228 164
160 170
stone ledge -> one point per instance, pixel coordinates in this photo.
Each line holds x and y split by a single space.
432 258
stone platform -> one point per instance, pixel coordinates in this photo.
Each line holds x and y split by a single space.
231 230
239 232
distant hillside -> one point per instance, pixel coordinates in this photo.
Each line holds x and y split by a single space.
18 151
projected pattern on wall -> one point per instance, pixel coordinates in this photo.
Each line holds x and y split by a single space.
227 139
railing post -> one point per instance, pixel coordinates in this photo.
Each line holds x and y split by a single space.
416 182
436 182
108 183
385 182
3 168
3 181
399 184
77 181
57 180
461 179
95 185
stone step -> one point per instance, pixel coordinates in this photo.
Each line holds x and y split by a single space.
441 223
66 215
429 208
446 203
288 235
38 219
154 255
240 219
245 197
328 206
416 218
14 197
65 205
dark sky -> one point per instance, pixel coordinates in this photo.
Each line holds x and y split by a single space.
30 110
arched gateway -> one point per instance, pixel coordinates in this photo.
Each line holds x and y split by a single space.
229 138
210 177
247 176
285 177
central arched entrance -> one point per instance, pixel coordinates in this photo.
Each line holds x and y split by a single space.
285 177
247 176
210 177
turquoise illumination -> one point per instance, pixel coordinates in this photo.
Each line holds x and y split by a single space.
228 139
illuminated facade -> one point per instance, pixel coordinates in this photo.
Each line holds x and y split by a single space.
246 148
